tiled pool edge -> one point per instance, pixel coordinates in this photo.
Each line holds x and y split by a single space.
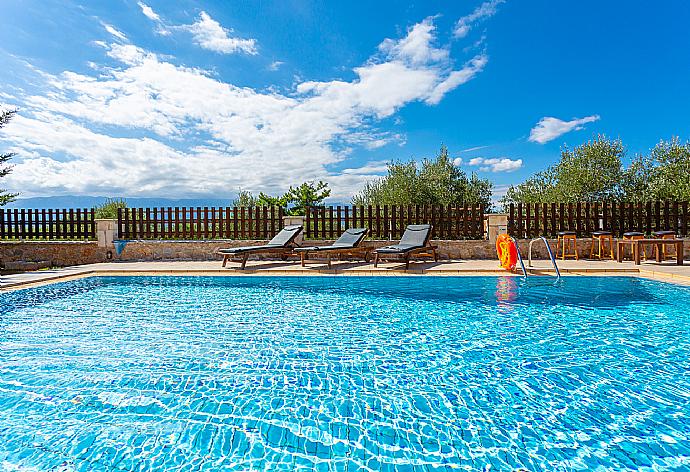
40 278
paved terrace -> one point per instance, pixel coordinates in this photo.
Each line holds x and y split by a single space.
667 271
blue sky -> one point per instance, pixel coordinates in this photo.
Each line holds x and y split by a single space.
199 99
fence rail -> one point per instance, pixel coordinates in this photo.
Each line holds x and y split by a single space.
389 221
527 220
64 224
199 223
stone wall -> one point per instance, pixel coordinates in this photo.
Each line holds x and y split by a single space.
60 253
57 253
205 250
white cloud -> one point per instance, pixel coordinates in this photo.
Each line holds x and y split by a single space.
549 128
211 35
151 127
148 12
502 164
373 167
275 65
482 12
475 148
457 162
111 29
416 47
457 78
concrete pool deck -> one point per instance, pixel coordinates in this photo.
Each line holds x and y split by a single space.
667 271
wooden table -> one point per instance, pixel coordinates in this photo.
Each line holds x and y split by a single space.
659 243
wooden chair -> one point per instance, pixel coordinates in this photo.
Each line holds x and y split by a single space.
567 243
633 235
601 237
664 235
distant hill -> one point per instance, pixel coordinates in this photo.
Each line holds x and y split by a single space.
72 201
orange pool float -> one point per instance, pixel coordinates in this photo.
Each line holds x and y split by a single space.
507 251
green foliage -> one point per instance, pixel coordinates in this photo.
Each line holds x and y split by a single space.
305 195
664 174
294 201
590 172
108 209
244 199
6 197
594 171
436 182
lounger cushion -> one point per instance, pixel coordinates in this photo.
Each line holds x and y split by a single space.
285 236
239 250
350 239
280 241
416 235
398 248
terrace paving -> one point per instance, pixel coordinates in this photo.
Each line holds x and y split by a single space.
667 271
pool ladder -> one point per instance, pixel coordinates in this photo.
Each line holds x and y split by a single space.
529 256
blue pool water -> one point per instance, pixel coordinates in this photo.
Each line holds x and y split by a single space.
323 373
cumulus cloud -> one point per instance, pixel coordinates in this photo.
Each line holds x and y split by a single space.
275 65
482 12
151 127
211 35
549 128
502 164
417 47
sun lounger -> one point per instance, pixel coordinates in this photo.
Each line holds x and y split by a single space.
346 245
282 244
415 242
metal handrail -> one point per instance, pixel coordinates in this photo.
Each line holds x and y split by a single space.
522 263
548 249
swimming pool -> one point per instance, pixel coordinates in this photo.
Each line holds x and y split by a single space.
345 373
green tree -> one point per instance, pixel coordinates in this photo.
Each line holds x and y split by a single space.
437 181
306 194
6 197
244 199
663 174
267 200
592 171
294 201
108 209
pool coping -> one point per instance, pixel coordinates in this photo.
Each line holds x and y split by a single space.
38 278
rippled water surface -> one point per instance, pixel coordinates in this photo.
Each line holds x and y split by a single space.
347 373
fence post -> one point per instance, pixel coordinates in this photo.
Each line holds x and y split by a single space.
296 220
106 232
497 223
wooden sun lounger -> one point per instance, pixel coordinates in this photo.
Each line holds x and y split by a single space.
414 243
282 244
348 244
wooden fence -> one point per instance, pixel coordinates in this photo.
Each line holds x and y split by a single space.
65 224
199 223
389 221
528 220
